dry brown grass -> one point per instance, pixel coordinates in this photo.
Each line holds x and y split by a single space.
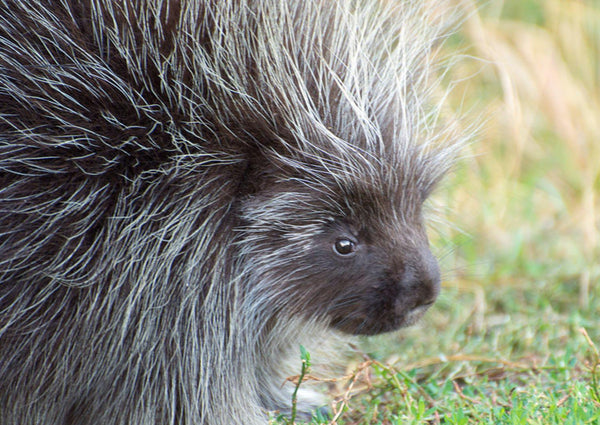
531 195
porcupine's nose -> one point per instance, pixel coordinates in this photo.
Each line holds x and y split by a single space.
430 279
420 281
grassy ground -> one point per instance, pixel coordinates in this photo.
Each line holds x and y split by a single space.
514 337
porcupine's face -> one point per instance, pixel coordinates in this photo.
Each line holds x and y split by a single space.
364 270
381 277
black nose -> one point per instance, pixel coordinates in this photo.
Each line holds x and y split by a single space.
419 284
430 278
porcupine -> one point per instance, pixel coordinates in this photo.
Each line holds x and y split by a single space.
190 189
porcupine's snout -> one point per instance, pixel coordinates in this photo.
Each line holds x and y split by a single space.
417 285
389 284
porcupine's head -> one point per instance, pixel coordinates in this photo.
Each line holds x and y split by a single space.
332 217
344 242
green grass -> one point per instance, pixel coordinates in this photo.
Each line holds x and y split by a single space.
520 359
505 342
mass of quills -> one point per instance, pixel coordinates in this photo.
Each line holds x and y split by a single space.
191 189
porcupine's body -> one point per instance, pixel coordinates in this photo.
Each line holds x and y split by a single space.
188 190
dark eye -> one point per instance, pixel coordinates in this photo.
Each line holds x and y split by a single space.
344 247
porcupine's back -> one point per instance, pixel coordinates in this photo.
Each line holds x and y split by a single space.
164 167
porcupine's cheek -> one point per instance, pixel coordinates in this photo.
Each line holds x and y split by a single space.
383 309
369 309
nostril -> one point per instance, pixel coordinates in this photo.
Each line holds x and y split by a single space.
426 303
416 281
431 277
427 295
424 287
432 286
431 298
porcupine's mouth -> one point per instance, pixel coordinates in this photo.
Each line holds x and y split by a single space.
373 325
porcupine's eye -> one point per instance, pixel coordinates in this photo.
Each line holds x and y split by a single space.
344 247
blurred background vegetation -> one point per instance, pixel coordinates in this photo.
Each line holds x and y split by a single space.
530 199
519 236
